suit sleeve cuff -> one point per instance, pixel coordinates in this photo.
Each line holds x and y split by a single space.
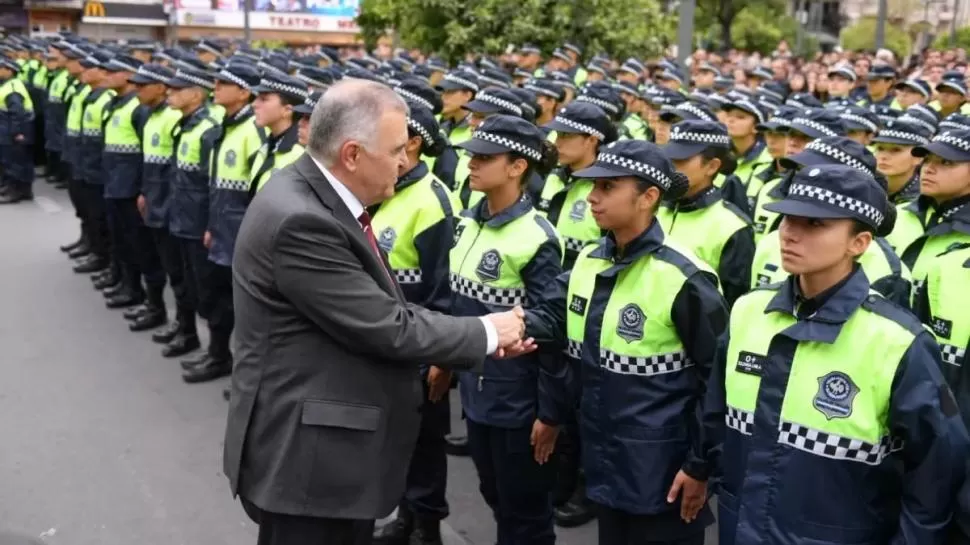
491 335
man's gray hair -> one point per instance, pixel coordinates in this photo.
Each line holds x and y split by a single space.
349 110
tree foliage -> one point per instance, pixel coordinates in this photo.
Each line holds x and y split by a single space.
454 28
862 35
962 39
761 27
716 18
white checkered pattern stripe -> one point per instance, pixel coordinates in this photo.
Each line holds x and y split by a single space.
913 119
501 83
414 97
772 94
510 144
738 420
836 447
283 88
950 124
90 132
542 91
837 154
115 64
688 107
574 244
780 121
805 122
506 297
157 159
206 47
487 98
643 168
749 107
419 128
194 80
574 349
948 139
231 185
188 167
903 135
699 137
953 355
462 81
310 81
236 80
582 127
856 206
644 366
142 71
860 120
408 276
122 148
609 107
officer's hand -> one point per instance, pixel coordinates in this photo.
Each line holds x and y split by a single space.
207 240
140 202
517 349
543 440
694 495
439 382
19 138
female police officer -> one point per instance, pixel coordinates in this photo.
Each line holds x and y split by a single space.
416 228
641 316
826 405
505 254
717 231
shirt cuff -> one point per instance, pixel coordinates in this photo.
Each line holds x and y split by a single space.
491 335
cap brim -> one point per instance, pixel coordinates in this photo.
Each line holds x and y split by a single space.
446 85
599 171
671 117
303 109
772 126
871 77
679 150
854 126
804 159
807 131
807 209
482 147
940 150
139 79
219 77
728 106
263 90
482 107
176 83
562 127
951 86
889 140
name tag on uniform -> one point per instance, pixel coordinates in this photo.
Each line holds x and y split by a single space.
578 305
750 363
760 224
942 328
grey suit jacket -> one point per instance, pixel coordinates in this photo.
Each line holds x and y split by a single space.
326 389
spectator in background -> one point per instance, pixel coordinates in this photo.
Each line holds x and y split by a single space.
798 83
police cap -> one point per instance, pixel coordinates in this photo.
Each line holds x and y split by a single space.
584 118
817 123
240 74
857 118
904 132
150 73
421 93
309 103
639 159
956 121
504 134
835 192
422 121
803 100
756 109
686 110
547 88
881 71
833 150
460 80
122 63
952 145
953 80
921 86
691 137
605 96
314 76
293 89
495 101
191 77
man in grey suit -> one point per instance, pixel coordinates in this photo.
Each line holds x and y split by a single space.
323 415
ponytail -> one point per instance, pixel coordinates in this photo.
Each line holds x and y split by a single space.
728 163
541 168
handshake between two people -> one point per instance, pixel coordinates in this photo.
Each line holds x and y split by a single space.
510 326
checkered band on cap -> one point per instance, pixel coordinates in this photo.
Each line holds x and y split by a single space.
494 81
462 81
283 88
950 140
505 297
195 80
501 103
836 447
650 171
236 80
749 107
91 59
645 366
699 137
206 47
688 107
310 81
845 202
949 124
918 88
508 143
903 135
921 122
608 106
738 420
837 154
582 127
766 91
414 97
542 91
123 65
860 120
813 125
142 71
779 121
420 129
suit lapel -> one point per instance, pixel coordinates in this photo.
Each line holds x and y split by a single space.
329 197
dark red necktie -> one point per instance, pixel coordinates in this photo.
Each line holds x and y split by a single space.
364 220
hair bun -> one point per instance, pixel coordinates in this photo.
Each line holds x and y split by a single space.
435 148
679 185
888 222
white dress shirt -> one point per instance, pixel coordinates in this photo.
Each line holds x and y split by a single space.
357 208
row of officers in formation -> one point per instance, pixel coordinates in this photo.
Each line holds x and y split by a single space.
734 291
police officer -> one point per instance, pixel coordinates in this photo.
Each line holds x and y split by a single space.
305 110
879 98
189 90
748 145
276 95
444 164
842 79
55 116
943 209
657 98
16 136
894 159
155 191
813 445
416 228
640 316
74 97
633 125
952 94
505 254
550 95
38 78
860 124
234 144
702 221
884 269
912 91
458 88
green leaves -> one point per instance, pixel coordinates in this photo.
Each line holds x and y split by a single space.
862 35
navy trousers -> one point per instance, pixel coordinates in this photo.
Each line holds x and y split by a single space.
427 477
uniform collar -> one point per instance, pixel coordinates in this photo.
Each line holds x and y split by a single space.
450 126
480 212
412 176
700 201
755 152
769 173
244 113
830 309
648 242
194 118
158 107
908 192
285 141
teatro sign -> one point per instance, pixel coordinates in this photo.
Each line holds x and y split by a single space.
304 22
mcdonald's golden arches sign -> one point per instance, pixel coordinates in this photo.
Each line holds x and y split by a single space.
93 8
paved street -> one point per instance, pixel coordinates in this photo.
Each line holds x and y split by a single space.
102 443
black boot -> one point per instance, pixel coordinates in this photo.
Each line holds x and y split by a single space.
82 240
216 364
113 290
396 532
577 511
181 344
195 361
134 312
107 282
14 195
92 265
426 532
154 314
127 298
166 335
456 445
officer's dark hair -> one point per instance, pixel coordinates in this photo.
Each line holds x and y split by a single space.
550 159
289 100
678 188
431 149
728 162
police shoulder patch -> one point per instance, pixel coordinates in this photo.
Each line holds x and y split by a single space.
836 391
578 210
629 326
231 158
578 305
116 121
185 148
386 239
490 266
156 139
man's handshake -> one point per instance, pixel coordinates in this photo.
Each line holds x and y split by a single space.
510 326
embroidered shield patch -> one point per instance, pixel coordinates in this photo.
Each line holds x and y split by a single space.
630 325
836 391
116 121
156 139
386 239
231 158
489 268
578 210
